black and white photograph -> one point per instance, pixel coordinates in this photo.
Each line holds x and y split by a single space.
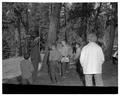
65 47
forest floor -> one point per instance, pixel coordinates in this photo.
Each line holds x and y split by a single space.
110 77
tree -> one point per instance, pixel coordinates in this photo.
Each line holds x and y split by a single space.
14 14
112 24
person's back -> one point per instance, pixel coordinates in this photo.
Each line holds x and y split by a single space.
26 68
92 56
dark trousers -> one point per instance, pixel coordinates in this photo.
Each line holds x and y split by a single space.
54 71
79 70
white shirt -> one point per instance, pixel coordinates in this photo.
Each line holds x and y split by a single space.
92 58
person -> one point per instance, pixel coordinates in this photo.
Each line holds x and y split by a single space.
54 58
26 70
77 62
74 48
59 47
91 59
35 58
78 51
65 59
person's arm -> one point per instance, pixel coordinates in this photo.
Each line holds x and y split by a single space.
77 55
101 56
82 56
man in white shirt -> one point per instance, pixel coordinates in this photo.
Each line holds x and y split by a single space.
91 59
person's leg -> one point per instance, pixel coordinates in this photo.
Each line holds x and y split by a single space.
58 67
52 72
98 80
57 74
34 74
82 74
88 80
66 67
59 64
63 68
79 70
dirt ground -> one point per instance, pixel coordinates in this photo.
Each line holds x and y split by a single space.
110 77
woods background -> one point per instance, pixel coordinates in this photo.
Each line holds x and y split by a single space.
52 22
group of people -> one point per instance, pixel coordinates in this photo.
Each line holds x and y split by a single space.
88 59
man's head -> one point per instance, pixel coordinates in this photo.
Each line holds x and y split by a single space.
92 37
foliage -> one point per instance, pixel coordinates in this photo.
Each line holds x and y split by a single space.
76 21
5 50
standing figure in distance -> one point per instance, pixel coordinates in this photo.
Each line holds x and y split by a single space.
77 62
54 58
65 58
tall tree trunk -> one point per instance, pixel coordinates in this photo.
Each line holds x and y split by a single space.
109 47
19 31
111 34
53 29
27 29
66 23
84 22
84 29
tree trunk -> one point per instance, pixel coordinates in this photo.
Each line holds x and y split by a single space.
109 42
53 29
20 46
111 34
84 29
